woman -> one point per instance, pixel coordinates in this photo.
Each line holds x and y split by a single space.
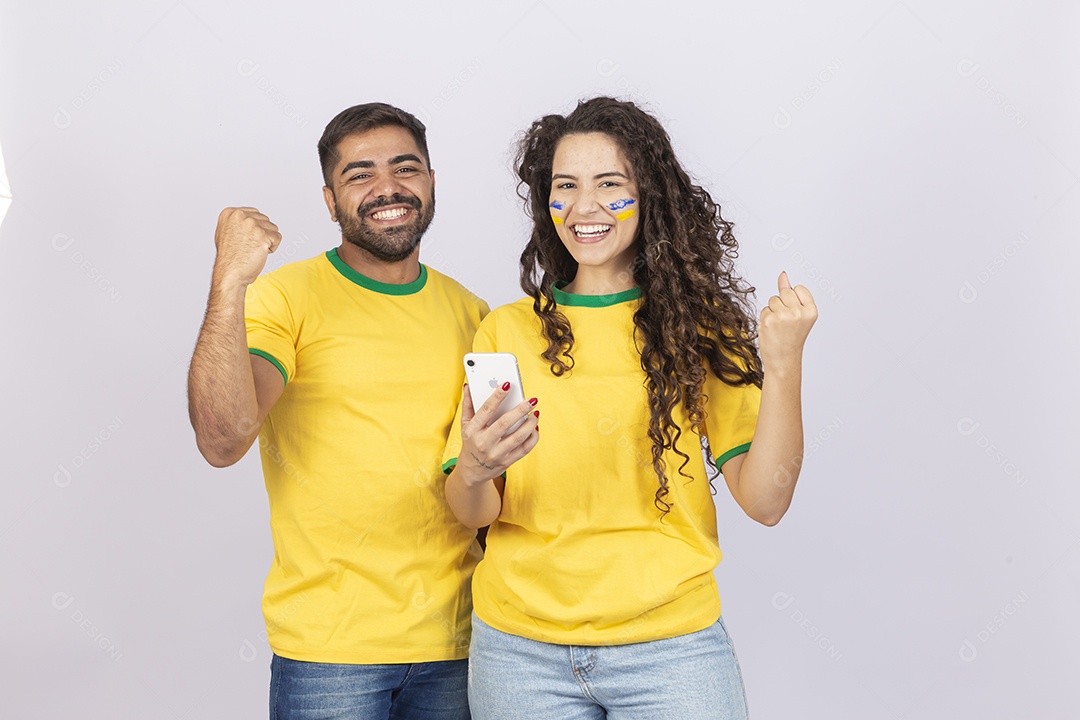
596 597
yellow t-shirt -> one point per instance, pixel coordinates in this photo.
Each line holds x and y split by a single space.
579 553
370 565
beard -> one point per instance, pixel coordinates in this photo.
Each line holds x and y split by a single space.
386 244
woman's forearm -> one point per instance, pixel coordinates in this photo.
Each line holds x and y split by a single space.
475 503
766 479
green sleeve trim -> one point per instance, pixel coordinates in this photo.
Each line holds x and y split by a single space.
730 454
448 467
267 356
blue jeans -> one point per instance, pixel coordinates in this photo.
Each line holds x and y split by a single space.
323 691
690 677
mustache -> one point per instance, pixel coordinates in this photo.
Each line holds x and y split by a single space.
395 199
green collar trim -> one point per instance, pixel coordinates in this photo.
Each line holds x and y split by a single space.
380 287
564 298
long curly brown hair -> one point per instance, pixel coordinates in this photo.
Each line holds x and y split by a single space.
696 313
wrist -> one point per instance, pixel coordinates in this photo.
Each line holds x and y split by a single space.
788 370
228 284
473 477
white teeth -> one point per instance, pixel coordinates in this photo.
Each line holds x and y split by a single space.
591 230
389 214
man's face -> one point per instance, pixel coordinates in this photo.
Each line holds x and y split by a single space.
382 193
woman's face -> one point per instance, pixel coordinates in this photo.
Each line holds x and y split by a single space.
594 201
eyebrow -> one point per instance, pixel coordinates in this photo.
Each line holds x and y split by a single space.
357 164
613 173
368 164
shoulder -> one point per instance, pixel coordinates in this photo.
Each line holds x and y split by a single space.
298 274
507 325
453 290
289 289
516 318
518 313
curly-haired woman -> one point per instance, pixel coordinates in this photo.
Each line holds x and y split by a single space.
596 597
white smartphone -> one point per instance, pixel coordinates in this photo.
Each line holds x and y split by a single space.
485 371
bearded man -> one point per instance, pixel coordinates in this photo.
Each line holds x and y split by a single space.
347 367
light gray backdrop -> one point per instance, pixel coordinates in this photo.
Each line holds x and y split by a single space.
914 163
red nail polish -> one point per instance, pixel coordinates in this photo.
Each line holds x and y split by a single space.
505 386
537 414
533 401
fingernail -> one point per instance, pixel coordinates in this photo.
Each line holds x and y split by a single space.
505 386
533 401
537 414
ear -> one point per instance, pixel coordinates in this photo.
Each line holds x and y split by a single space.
328 196
432 179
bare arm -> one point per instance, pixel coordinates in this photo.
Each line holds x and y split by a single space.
474 488
230 391
762 481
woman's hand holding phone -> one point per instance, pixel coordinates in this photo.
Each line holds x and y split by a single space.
486 448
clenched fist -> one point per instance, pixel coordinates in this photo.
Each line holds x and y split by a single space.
244 238
784 324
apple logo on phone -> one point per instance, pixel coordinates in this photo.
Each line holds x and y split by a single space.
492 383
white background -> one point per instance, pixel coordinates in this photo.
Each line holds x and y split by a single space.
914 163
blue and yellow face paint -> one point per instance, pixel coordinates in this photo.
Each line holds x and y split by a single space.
556 205
624 205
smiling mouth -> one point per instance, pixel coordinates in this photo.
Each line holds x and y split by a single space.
390 214
591 232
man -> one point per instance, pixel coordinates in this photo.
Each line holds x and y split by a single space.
347 366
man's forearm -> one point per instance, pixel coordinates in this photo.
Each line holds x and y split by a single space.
222 401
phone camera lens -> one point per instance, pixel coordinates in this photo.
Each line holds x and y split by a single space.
470 363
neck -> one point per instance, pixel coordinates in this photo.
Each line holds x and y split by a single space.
392 273
600 281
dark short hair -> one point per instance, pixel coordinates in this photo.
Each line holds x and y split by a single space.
361 118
